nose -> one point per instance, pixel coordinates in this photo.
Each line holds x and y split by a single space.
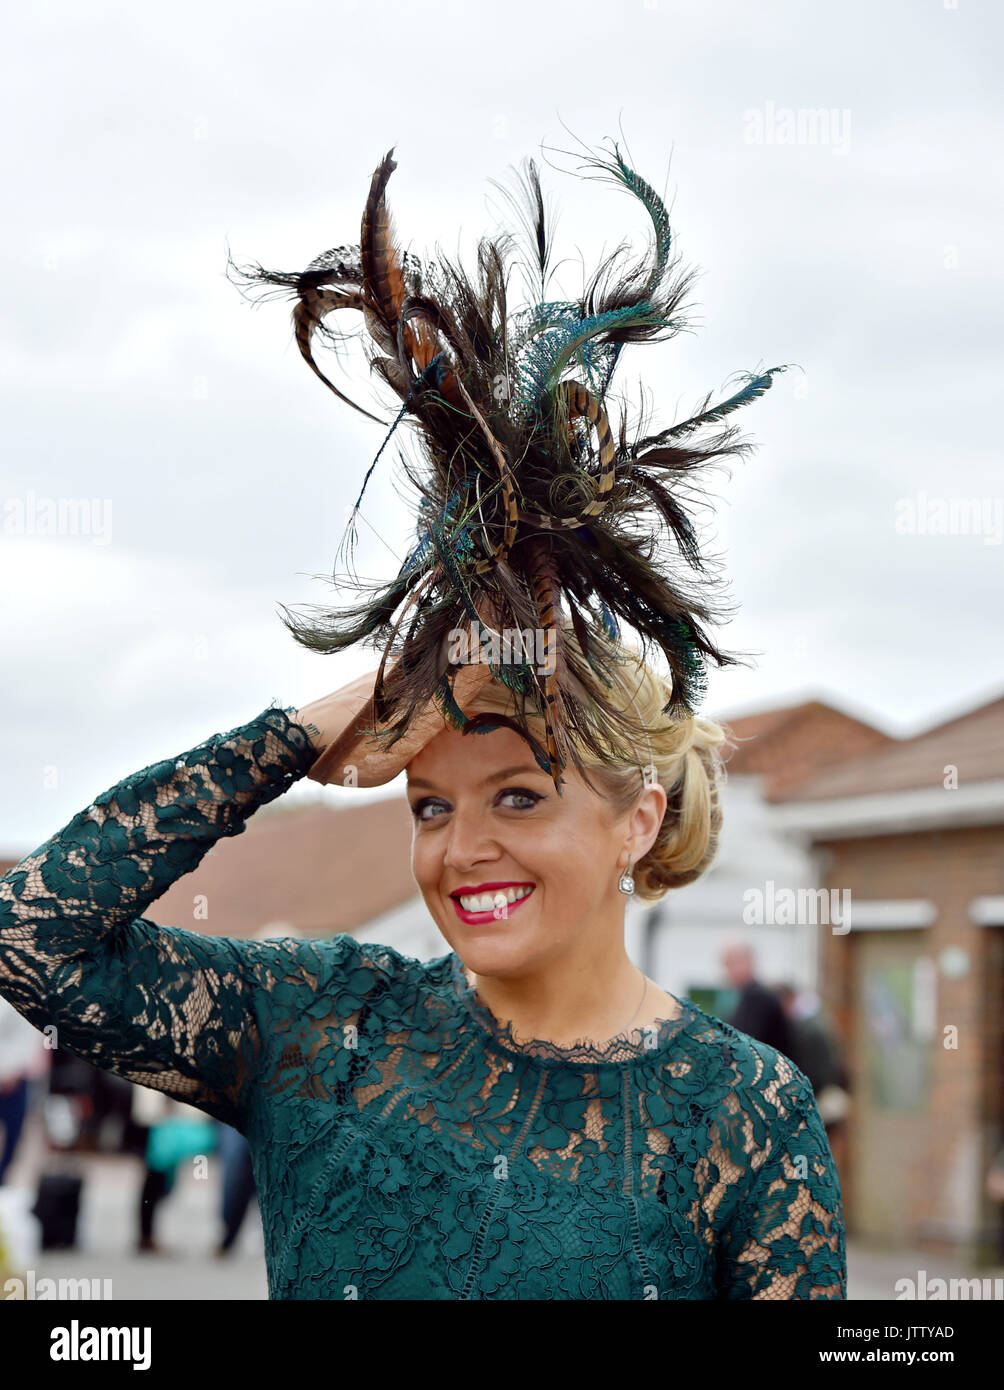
469 840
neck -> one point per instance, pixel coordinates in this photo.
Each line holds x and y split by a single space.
565 1002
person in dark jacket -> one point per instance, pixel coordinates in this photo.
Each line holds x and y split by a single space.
817 1051
819 1054
758 1012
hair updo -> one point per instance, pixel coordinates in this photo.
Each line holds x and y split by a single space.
688 764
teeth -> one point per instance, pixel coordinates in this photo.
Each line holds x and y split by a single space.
486 902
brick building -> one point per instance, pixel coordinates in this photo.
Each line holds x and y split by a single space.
914 833
680 939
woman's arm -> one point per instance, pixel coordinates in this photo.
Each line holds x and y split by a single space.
786 1237
162 1006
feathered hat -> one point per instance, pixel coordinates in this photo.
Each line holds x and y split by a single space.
530 500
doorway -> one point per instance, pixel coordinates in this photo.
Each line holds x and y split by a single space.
895 1021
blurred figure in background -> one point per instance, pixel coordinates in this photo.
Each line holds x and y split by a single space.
175 1132
816 1049
22 1059
758 1012
238 1183
818 1053
150 1108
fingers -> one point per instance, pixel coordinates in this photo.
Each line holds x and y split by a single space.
333 713
353 759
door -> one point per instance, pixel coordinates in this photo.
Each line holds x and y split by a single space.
895 1020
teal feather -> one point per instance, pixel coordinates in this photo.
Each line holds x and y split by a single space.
515 675
548 357
755 386
616 168
693 686
449 706
609 621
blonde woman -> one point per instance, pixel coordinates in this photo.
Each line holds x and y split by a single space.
526 1116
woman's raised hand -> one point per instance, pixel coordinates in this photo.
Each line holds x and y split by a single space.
347 757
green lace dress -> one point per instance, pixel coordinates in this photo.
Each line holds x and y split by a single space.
405 1144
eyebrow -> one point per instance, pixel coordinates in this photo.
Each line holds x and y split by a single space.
495 776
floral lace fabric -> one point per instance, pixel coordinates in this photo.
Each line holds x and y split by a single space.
406 1145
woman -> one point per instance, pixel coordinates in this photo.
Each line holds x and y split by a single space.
526 1116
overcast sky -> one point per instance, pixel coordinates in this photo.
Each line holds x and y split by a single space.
141 142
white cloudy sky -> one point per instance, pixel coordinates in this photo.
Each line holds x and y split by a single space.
142 141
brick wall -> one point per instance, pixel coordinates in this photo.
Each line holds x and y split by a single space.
950 868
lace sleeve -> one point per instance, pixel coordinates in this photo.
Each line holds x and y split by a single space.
786 1237
163 1006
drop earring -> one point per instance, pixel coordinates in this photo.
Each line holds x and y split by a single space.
626 883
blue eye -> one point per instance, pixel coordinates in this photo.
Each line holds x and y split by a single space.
532 797
429 803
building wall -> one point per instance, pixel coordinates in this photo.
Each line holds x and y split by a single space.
695 922
944 1186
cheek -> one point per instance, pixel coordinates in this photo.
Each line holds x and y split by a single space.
426 864
571 860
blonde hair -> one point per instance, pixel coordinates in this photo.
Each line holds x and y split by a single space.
688 764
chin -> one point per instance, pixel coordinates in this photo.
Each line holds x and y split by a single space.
496 948
500 960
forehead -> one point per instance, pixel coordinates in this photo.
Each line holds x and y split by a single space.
453 763
472 757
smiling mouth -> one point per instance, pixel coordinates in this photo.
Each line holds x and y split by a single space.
493 904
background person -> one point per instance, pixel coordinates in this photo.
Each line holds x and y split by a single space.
758 1011
22 1059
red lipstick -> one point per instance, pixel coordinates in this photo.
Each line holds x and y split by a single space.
499 912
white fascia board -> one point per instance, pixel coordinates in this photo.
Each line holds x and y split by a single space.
885 914
848 817
987 912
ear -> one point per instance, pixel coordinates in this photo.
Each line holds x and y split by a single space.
646 819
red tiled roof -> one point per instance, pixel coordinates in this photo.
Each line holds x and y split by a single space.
973 743
791 743
320 869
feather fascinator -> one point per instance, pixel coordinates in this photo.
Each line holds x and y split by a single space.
532 499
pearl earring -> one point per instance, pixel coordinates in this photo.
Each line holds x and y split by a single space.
626 883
